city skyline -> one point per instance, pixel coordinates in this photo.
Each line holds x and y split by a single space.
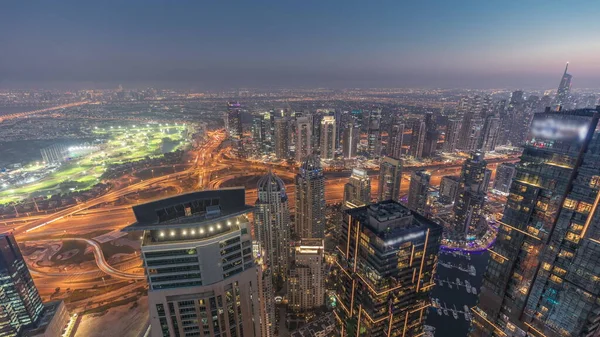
299 169
490 45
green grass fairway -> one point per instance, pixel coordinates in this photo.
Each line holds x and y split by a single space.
123 144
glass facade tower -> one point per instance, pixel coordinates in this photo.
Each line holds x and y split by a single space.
543 278
20 302
384 270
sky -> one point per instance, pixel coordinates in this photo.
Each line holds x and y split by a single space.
289 43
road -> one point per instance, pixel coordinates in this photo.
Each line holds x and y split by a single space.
27 113
197 168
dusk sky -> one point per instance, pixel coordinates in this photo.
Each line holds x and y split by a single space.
227 44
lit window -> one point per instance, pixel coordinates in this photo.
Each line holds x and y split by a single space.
570 204
555 279
584 207
573 237
595 181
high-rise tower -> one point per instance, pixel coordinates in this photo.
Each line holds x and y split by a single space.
504 176
281 137
306 281
542 278
453 129
385 265
468 208
234 126
197 253
374 133
489 136
272 223
431 136
350 141
20 302
327 138
303 143
390 178
564 88
395 138
310 199
417 141
357 191
418 191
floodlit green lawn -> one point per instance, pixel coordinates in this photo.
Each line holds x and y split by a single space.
123 145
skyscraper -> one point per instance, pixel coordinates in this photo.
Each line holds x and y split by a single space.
350 142
564 88
310 199
452 134
306 281
328 137
542 278
417 140
197 252
303 143
385 266
431 136
390 178
20 302
504 176
374 133
272 223
418 191
282 138
468 208
234 126
491 131
449 188
474 110
234 120
395 138
357 191
257 135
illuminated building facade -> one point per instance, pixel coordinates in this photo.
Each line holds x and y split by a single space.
449 188
272 223
303 144
281 138
20 302
197 253
418 191
357 191
468 208
564 88
310 199
390 177
543 277
417 141
452 134
327 138
374 133
306 280
385 266
395 139
233 125
504 176
350 142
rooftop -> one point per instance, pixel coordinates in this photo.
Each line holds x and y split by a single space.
390 220
190 210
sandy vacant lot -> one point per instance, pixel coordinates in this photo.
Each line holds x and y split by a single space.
119 321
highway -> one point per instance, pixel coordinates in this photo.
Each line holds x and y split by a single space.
196 168
27 113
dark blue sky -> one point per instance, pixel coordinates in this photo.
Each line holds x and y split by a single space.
217 44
